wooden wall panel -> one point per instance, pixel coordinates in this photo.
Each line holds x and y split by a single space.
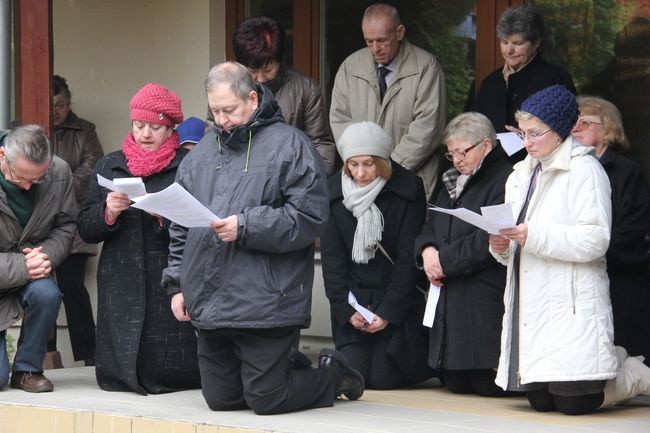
34 62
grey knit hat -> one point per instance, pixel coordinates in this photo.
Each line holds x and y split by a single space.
556 106
364 138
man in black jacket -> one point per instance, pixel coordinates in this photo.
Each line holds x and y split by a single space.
245 282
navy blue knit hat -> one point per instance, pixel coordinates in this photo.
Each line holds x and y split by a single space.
190 130
556 106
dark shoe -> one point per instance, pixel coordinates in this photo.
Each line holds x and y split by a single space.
298 360
350 380
90 362
30 382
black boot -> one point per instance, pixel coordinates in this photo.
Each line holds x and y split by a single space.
298 360
350 380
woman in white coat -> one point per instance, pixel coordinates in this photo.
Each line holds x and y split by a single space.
557 338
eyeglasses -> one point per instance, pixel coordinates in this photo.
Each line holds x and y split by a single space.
20 181
463 153
532 135
584 124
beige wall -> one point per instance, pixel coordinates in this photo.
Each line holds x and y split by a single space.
109 49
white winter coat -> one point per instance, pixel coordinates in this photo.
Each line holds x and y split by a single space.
565 315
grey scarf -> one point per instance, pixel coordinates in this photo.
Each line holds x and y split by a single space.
370 222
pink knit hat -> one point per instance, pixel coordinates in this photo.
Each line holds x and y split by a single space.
156 104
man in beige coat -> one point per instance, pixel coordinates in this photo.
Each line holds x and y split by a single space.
414 104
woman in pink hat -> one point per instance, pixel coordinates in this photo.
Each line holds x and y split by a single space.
140 345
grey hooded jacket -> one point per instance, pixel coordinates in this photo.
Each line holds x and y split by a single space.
269 175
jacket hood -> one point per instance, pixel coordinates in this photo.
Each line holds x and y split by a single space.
267 112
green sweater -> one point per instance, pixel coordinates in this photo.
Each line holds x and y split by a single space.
20 201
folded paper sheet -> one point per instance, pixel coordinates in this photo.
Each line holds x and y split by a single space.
510 142
367 314
494 218
131 186
432 304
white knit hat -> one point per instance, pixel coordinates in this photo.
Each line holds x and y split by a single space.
364 138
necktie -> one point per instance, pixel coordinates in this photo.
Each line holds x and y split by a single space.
382 73
531 190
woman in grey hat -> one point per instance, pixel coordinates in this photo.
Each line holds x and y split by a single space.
557 339
376 210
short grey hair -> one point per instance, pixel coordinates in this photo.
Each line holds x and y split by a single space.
471 127
235 74
382 10
526 21
524 115
29 142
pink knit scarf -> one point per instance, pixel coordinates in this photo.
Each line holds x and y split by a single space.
142 162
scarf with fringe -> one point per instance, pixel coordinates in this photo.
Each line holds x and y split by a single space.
370 222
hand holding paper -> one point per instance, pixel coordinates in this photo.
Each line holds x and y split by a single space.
173 202
367 314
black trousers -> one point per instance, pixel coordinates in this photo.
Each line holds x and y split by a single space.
479 382
543 401
81 325
249 368
370 358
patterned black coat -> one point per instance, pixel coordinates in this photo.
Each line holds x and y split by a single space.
140 345
467 331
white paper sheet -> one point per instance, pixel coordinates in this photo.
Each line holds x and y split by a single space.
510 142
367 314
494 218
177 205
500 215
131 186
432 304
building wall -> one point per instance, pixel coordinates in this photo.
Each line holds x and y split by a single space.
109 49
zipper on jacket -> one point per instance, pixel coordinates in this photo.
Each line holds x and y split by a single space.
573 287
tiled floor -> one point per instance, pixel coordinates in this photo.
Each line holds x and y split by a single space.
429 409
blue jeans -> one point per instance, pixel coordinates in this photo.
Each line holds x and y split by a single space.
41 300
4 360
